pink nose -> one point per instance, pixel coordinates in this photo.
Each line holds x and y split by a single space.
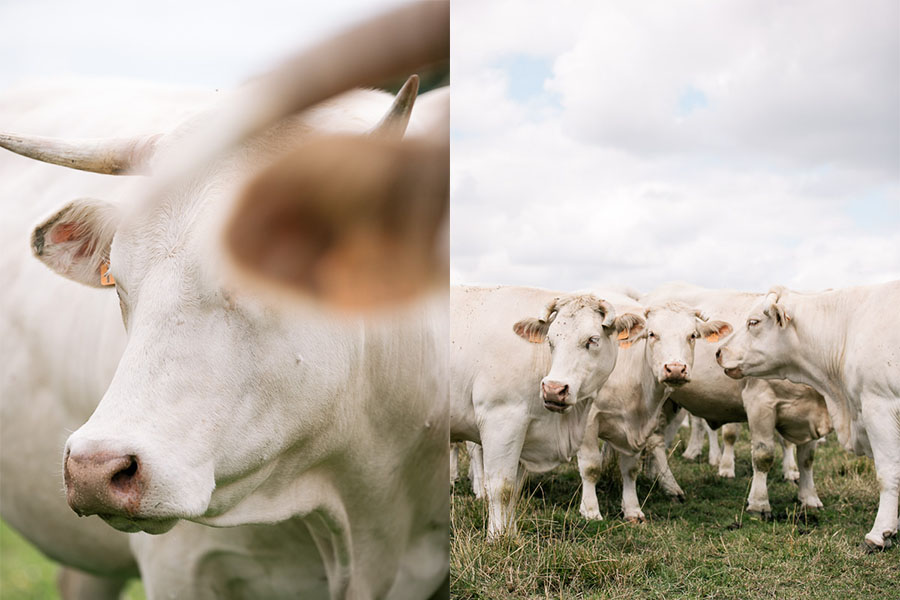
104 483
555 391
675 372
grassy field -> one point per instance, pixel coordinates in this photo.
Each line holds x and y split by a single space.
705 548
26 573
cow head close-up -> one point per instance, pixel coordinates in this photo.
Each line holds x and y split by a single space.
583 333
672 331
215 387
763 347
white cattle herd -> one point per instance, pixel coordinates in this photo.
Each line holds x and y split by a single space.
538 376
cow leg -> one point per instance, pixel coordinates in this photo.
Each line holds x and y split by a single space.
501 446
590 465
882 420
730 433
674 425
630 466
807 490
476 469
789 461
78 585
695 443
761 419
454 463
715 454
661 468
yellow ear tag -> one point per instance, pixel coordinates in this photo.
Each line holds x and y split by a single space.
713 337
105 277
622 334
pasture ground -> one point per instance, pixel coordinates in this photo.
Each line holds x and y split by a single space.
707 547
26 573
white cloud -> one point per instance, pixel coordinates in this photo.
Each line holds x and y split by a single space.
728 144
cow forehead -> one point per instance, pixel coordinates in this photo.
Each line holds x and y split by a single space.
576 317
672 319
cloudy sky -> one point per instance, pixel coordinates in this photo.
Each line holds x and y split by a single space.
196 42
729 144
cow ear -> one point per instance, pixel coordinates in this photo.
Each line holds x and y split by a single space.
778 312
713 331
532 330
629 328
75 241
353 223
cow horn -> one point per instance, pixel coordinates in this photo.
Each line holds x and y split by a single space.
609 312
113 156
393 124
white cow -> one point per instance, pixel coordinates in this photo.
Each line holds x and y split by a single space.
846 344
520 385
306 428
794 412
627 412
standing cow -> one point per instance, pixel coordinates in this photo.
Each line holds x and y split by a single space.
524 365
627 412
846 344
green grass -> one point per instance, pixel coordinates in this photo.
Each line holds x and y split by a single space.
705 548
26 573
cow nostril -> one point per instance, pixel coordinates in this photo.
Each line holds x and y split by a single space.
719 353
123 477
564 391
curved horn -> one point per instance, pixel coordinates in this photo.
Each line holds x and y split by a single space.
113 156
551 310
609 312
393 124
699 314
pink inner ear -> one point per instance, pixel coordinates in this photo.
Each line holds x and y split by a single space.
71 232
64 232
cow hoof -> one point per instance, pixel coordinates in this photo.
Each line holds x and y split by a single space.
591 515
726 473
691 456
869 547
762 514
793 476
679 498
635 520
812 505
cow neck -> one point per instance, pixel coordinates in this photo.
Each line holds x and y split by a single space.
820 354
653 396
570 428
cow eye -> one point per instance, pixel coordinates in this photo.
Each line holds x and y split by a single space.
651 335
695 335
752 323
594 340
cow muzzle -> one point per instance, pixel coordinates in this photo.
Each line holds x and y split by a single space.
733 372
555 395
675 374
101 483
